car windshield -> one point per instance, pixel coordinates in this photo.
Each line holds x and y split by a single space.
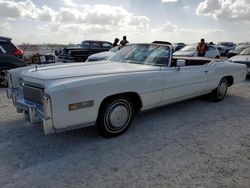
245 52
150 54
114 49
242 47
189 48
85 44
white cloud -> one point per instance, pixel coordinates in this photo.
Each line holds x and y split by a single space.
167 27
228 10
5 28
46 13
71 24
139 22
69 3
103 15
174 33
25 9
68 15
169 1
187 7
9 9
106 15
9 19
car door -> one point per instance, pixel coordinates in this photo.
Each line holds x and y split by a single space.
187 82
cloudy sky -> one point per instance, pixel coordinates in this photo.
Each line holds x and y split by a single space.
71 21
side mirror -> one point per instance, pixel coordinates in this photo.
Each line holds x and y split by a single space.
180 63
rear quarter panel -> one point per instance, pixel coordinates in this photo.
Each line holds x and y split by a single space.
218 70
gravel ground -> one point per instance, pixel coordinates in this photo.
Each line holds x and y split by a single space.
195 143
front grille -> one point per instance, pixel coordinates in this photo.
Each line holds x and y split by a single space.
247 63
33 94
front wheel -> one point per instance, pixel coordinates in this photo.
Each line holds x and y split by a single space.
115 116
220 92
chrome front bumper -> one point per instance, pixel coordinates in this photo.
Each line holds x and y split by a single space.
34 112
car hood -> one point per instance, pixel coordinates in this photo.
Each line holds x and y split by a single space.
240 58
73 70
100 56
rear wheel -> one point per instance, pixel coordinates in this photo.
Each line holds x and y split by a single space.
115 116
220 92
3 76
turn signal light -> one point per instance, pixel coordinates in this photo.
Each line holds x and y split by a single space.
80 105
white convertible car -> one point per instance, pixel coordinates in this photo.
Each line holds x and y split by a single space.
109 93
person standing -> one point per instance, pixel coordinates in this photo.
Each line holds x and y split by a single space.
124 41
115 42
202 47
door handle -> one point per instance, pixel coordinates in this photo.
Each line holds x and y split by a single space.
206 71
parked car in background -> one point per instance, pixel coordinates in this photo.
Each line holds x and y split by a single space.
191 51
225 47
238 49
103 55
242 58
80 54
10 57
42 58
109 93
178 46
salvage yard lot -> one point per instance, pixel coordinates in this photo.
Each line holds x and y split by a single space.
194 143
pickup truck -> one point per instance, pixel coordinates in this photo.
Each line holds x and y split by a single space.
82 52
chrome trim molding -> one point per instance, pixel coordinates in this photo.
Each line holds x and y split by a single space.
75 127
80 105
47 122
33 112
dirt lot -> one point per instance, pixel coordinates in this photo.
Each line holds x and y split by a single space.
195 143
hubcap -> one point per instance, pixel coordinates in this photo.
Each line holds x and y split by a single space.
118 116
222 89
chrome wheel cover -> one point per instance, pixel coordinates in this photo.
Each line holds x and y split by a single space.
117 116
222 89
